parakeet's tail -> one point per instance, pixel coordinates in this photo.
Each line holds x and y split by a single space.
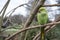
42 33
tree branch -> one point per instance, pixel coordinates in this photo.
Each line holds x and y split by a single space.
24 29
51 5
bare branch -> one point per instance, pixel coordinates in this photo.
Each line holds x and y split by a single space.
4 6
51 5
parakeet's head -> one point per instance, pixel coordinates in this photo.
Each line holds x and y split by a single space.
42 9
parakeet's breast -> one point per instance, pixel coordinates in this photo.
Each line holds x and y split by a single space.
42 18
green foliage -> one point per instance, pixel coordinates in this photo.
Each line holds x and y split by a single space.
32 33
54 33
1 38
11 30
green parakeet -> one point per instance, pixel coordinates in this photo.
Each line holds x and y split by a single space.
42 18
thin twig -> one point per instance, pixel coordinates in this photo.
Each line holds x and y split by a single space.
51 5
13 10
4 6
